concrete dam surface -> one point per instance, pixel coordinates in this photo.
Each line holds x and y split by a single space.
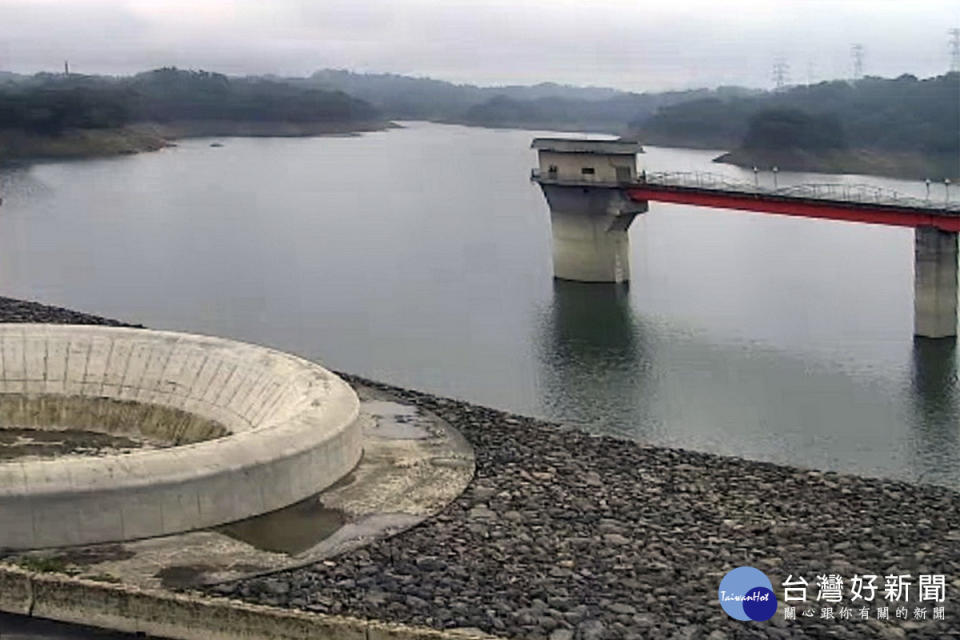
137 462
236 431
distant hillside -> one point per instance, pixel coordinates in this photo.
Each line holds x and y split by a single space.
414 97
903 127
51 115
545 105
9 76
173 94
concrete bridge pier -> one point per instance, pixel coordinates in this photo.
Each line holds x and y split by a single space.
585 183
935 283
590 225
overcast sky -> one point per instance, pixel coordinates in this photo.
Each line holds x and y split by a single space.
629 44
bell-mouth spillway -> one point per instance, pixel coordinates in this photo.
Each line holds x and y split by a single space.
210 431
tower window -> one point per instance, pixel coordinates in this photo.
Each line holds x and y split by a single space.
587 171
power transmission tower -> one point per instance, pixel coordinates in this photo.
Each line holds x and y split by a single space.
781 73
954 49
857 52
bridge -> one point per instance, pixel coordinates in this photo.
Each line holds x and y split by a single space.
594 192
828 201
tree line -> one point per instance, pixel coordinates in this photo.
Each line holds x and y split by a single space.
546 104
50 103
899 114
902 114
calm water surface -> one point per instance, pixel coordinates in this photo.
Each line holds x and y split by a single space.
421 257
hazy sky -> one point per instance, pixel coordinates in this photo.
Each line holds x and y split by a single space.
630 44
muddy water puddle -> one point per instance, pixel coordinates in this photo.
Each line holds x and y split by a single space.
291 530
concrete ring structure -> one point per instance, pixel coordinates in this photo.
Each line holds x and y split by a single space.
246 430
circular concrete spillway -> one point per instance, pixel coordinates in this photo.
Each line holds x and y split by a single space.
235 430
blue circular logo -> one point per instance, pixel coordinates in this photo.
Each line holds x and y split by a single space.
746 594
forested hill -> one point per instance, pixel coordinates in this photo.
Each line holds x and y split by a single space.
547 105
408 97
902 126
894 116
51 103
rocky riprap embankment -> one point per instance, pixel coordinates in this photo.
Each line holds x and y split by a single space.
564 535
12 310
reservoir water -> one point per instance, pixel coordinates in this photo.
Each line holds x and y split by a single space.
421 257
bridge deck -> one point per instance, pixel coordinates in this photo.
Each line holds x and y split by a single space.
847 202
849 211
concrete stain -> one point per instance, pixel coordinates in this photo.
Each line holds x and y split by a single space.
395 421
182 576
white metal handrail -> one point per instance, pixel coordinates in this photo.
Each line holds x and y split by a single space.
858 193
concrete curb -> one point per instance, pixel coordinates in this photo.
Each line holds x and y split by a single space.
186 617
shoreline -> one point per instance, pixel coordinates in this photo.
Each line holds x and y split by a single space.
79 144
902 165
17 146
564 535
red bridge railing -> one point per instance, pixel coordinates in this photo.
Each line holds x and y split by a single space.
833 201
833 191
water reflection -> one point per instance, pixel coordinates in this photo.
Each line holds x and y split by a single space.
934 385
18 183
595 357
